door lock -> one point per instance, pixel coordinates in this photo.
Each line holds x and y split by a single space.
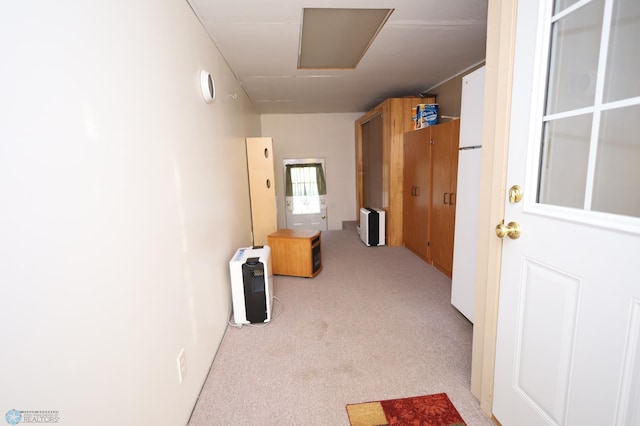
515 194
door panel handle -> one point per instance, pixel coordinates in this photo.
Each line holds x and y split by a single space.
444 198
452 199
511 230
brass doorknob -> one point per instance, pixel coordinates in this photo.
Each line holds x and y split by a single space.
511 230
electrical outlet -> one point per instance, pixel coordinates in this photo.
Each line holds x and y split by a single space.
182 366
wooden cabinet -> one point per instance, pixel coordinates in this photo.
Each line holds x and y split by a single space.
295 252
430 172
262 188
379 160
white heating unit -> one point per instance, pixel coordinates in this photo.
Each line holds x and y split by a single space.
372 228
251 285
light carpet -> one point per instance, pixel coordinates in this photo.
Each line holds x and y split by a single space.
375 324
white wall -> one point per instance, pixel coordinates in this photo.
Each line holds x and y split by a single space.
330 136
122 198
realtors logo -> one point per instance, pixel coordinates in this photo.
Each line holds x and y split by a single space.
13 416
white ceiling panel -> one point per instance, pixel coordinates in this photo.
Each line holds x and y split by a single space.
270 49
422 44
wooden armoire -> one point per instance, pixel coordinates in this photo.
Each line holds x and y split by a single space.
429 195
379 160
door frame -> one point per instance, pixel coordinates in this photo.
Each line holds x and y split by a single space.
501 23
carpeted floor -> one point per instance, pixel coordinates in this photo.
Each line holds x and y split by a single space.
375 324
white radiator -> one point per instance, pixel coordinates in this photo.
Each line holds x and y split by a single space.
251 285
372 230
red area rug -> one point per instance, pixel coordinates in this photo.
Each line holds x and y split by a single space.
430 410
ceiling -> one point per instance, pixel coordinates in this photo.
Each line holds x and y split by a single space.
424 43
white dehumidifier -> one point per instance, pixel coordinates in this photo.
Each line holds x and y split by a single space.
251 285
372 228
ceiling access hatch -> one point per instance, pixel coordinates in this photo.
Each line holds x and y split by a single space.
338 38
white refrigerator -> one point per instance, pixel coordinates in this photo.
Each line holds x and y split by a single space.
463 281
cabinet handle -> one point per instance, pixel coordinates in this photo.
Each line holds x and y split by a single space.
452 199
268 183
444 198
417 191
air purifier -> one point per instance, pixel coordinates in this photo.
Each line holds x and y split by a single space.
372 228
251 285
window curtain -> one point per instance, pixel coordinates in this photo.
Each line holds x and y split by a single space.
305 179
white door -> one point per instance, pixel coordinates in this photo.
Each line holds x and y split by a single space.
305 194
568 346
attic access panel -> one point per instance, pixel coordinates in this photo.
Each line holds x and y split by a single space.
338 38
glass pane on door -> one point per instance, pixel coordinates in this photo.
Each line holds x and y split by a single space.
590 150
617 173
623 60
573 59
565 154
305 187
563 4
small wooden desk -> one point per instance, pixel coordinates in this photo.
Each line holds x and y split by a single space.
295 252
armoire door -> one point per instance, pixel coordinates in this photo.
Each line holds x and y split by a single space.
416 189
444 160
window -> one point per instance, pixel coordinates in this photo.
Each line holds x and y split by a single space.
305 183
